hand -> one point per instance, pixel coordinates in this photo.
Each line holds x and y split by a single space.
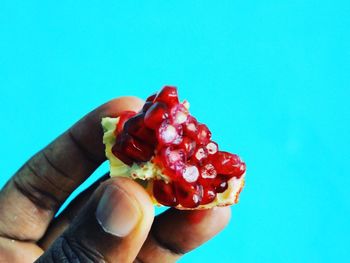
112 221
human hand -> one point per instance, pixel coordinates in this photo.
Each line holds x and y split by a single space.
112 221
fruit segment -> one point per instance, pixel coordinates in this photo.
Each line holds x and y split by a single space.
175 154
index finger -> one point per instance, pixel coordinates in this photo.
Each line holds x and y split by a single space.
33 195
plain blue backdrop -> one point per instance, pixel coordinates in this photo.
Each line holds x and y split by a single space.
270 78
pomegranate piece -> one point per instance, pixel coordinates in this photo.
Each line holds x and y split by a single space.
168 95
164 193
165 133
155 115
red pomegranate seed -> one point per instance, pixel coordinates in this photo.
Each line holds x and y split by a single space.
208 195
203 134
135 126
168 134
155 115
228 164
123 117
200 154
151 98
190 127
132 148
212 147
190 174
220 184
168 95
146 106
188 145
173 159
118 147
208 171
178 114
188 195
164 193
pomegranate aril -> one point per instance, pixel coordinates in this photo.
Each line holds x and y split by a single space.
220 184
151 98
135 127
118 147
188 195
132 148
178 114
200 154
146 106
188 145
168 95
190 173
173 159
164 193
155 115
169 134
190 127
208 171
123 117
212 147
209 195
228 164
203 134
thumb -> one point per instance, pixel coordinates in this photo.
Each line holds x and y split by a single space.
111 228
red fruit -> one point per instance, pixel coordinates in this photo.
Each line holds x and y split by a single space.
188 195
164 193
135 126
188 145
169 134
165 133
178 114
123 117
168 95
155 115
203 134
228 164
191 127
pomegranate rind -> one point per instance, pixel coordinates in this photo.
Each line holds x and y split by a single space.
148 171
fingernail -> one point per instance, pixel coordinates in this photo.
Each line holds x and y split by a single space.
117 213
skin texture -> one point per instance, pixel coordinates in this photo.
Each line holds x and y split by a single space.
30 199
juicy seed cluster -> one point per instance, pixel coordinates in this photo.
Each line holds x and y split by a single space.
165 133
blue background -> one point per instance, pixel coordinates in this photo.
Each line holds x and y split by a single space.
270 78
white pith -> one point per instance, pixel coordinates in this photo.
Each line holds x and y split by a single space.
148 171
